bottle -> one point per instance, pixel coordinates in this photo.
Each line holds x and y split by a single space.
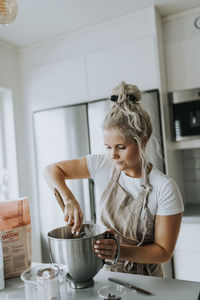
2 284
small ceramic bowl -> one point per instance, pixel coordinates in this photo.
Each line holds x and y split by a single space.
112 292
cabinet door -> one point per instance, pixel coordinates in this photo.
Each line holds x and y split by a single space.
187 253
133 62
187 265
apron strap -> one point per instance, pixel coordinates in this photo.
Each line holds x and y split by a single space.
113 180
148 190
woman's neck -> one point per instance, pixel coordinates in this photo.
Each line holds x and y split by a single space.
137 172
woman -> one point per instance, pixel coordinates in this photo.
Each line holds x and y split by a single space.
141 205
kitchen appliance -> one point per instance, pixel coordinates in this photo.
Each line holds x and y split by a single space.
78 253
73 131
79 257
185 113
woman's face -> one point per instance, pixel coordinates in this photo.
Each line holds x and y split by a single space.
124 153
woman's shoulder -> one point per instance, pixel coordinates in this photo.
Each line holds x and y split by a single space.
159 178
99 159
98 163
167 194
162 183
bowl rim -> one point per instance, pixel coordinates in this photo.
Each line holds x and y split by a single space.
77 239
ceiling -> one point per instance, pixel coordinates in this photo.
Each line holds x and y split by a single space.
40 20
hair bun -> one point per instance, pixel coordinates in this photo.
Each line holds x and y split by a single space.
125 92
133 90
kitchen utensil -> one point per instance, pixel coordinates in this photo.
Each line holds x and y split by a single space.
78 254
114 292
45 282
130 286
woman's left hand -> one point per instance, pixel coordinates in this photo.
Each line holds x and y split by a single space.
106 248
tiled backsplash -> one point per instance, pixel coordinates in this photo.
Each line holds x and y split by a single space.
191 167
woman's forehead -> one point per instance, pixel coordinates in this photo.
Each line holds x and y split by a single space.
113 134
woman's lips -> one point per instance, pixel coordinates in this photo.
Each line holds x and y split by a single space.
118 162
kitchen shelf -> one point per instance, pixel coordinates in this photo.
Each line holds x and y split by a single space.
187 144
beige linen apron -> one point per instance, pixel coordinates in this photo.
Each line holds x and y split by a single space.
121 212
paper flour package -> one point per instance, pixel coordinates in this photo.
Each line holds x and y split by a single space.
15 234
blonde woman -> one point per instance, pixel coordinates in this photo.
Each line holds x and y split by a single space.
140 204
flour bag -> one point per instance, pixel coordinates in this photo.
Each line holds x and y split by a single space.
15 234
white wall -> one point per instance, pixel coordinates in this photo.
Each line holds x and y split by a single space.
84 66
10 81
11 100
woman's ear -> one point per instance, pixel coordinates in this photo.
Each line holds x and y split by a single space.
144 141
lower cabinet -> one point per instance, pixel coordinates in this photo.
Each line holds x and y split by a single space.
187 253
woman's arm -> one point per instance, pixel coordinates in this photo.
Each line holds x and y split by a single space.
166 234
56 174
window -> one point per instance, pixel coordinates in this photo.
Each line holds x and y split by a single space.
8 160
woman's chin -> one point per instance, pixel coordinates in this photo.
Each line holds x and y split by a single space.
119 167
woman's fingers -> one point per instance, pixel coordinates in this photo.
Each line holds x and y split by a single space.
73 216
105 256
78 221
105 248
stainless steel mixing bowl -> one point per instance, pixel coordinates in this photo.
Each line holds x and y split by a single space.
78 254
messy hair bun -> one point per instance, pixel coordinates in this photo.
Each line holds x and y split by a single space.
124 92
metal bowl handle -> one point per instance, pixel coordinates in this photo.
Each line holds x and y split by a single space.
115 261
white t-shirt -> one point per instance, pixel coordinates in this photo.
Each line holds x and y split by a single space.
164 200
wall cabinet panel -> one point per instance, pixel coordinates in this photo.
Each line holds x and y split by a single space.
187 253
133 62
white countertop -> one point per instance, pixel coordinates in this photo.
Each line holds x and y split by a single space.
162 288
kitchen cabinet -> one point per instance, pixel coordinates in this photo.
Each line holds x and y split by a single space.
136 55
187 253
182 44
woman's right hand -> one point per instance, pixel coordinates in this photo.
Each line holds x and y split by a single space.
73 216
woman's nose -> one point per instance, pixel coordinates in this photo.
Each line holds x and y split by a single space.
114 154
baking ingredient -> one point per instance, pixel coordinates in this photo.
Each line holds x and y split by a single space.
15 234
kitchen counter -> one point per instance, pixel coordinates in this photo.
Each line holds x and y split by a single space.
162 288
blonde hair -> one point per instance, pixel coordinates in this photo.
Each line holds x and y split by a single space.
129 118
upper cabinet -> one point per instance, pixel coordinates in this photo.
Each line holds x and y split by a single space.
133 61
182 48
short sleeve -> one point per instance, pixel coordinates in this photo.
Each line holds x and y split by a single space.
169 199
95 163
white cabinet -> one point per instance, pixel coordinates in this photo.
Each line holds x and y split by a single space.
187 253
133 62
182 46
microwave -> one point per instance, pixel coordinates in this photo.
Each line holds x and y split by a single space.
185 114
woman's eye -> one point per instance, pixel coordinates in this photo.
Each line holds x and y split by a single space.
108 148
122 148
